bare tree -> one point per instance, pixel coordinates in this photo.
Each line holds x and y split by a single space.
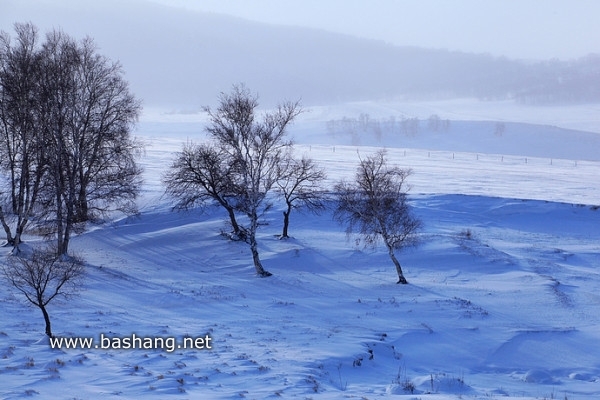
106 169
375 206
257 148
300 187
87 113
42 276
22 154
203 172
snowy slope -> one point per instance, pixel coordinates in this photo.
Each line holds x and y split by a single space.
502 301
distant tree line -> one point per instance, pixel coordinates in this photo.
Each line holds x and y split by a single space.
364 124
562 82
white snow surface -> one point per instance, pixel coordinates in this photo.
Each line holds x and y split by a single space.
502 300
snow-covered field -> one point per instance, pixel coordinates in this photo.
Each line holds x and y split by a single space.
503 300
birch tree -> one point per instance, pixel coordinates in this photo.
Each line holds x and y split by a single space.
88 114
257 145
375 207
66 116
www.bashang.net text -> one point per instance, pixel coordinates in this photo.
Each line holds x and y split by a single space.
132 342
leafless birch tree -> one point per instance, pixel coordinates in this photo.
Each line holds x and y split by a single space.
375 206
257 145
66 116
88 114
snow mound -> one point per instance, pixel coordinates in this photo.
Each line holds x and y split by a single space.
539 376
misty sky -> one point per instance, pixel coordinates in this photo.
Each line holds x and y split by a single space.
177 58
527 29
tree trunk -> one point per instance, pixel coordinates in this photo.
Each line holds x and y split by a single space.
66 238
82 209
16 243
9 239
260 271
19 233
59 225
286 222
401 278
236 228
64 249
47 319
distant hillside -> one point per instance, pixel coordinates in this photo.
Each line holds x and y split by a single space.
180 58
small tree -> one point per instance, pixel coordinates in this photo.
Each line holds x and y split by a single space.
375 206
43 276
299 187
202 172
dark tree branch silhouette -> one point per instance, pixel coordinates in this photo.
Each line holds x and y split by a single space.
88 114
200 173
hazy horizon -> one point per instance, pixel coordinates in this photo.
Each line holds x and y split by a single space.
181 54
525 29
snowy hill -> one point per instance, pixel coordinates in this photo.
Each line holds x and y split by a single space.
506 311
502 300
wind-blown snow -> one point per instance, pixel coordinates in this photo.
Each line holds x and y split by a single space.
502 301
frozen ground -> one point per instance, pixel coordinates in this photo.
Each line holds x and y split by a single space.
502 302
